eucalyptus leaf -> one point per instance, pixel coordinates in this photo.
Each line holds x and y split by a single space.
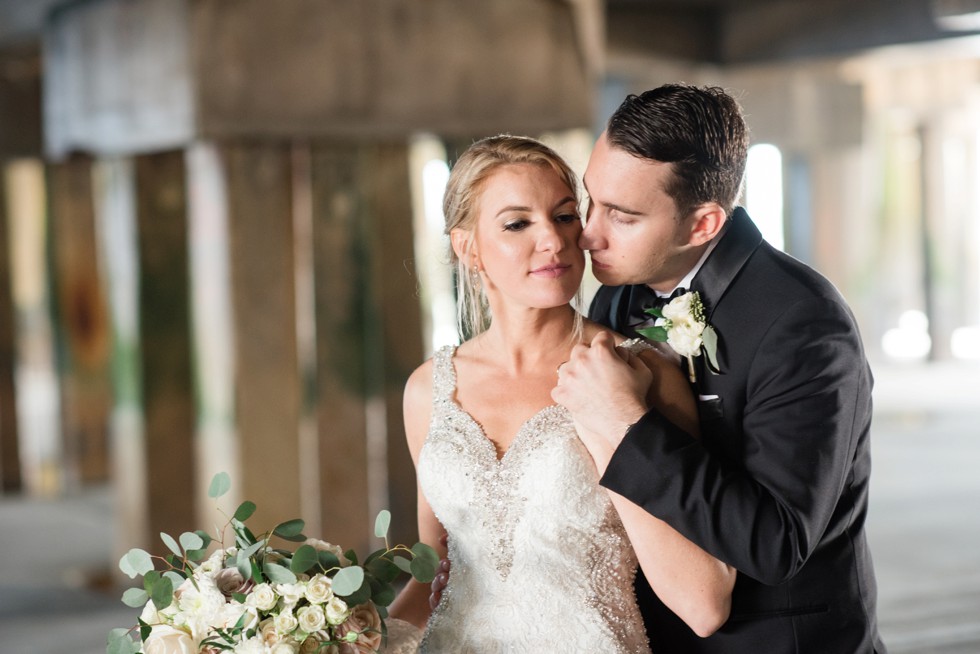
278 574
348 580
384 596
135 562
119 642
220 484
175 578
423 551
162 593
243 564
251 549
191 541
351 556
171 544
381 523
304 558
290 528
328 560
244 511
384 570
135 598
422 570
150 578
404 564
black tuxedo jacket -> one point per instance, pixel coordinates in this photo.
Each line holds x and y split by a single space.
778 484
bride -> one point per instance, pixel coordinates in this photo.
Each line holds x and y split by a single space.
543 558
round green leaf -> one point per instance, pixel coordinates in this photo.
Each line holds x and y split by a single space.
135 562
162 593
404 564
290 528
171 544
381 523
423 570
220 484
191 541
384 596
135 598
304 558
348 580
328 560
244 511
278 574
119 642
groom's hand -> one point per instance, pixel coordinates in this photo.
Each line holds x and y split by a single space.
605 390
441 579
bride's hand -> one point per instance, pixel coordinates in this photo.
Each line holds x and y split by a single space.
604 392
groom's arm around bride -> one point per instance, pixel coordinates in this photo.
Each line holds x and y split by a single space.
777 485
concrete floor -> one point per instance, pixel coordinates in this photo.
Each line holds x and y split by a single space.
924 528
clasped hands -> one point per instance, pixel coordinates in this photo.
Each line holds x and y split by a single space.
605 390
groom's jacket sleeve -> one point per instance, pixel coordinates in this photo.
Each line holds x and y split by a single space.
765 500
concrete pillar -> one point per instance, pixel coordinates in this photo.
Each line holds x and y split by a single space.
267 378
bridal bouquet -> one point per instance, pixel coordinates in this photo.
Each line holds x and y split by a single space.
254 598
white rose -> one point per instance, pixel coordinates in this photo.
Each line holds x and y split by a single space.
262 597
164 639
679 307
311 618
319 589
286 622
291 593
685 338
336 610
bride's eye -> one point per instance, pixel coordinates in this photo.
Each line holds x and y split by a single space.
566 218
515 225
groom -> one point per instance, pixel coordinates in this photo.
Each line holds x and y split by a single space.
777 485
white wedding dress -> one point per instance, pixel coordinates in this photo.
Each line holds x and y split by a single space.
540 559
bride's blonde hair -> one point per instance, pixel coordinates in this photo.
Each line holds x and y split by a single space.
463 190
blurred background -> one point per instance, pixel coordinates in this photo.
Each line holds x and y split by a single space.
221 250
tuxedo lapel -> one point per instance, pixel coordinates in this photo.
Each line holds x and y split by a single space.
719 270
722 265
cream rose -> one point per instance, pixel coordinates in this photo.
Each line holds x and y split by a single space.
319 589
262 597
164 639
286 622
267 633
311 618
291 593
336 610
366 623
285 647
679 307
685 338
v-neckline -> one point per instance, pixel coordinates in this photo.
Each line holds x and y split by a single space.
518 435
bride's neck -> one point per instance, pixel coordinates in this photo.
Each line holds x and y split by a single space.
530 339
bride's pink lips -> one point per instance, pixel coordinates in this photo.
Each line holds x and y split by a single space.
551 270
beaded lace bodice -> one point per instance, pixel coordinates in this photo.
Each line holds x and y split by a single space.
540 559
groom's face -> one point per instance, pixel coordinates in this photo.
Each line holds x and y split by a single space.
632 232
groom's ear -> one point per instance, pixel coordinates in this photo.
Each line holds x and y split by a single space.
709 218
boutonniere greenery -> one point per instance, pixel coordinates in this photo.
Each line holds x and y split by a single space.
681 324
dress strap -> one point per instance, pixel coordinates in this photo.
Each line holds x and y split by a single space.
443 375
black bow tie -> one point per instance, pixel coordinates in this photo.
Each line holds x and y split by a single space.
642 297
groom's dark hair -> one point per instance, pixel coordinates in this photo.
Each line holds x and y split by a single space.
699 130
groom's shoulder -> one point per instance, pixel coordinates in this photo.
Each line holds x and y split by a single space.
781 278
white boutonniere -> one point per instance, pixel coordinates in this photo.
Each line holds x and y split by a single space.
681 324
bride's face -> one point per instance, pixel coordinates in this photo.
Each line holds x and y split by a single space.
526 241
